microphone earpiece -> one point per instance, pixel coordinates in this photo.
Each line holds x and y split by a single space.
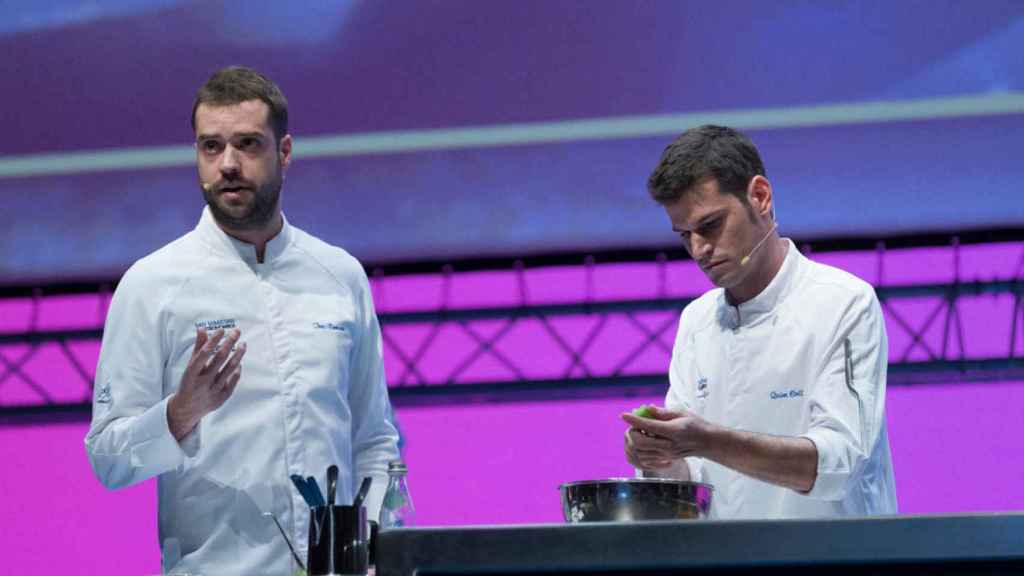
745 259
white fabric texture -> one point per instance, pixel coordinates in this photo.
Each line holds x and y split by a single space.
777 364
312 393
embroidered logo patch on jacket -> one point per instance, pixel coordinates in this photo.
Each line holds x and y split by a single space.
702 387
211 325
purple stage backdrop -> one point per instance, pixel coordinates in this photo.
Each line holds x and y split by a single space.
458 129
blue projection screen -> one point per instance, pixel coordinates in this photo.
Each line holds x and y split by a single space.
460 128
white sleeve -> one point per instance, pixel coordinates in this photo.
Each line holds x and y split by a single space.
129 439
374 437
847 401
681 387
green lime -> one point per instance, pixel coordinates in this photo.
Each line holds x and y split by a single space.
643 412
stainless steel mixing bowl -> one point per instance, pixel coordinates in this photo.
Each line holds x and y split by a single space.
625 499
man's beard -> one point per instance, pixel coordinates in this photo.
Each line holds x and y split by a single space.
260 211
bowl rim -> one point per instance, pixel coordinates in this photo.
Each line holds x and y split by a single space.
637 481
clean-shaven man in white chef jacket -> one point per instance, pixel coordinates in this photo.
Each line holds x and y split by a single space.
239 354
777 378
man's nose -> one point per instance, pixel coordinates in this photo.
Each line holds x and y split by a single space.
229 165
699 247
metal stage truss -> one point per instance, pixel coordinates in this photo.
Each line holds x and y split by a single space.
968 328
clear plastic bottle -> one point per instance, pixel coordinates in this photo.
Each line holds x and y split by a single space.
397 509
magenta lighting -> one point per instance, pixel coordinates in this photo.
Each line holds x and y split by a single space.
486 366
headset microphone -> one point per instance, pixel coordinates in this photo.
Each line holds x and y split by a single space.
207 186
746 258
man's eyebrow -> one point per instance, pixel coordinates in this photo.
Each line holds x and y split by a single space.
202 137
704 219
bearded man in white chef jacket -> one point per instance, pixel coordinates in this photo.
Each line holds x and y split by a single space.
777 379
239 354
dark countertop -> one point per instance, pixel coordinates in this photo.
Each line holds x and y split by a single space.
954 544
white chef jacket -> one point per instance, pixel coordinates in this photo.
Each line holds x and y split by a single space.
777 364
312 393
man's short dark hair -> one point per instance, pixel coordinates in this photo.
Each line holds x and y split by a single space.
237 84
707 151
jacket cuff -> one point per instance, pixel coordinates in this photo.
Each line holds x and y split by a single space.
154 449
833 474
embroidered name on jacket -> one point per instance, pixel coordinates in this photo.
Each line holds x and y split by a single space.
335 326
780 394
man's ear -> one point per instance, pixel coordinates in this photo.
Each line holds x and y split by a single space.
284 151
759 195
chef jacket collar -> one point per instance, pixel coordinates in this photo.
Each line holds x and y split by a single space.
228 245
764 303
